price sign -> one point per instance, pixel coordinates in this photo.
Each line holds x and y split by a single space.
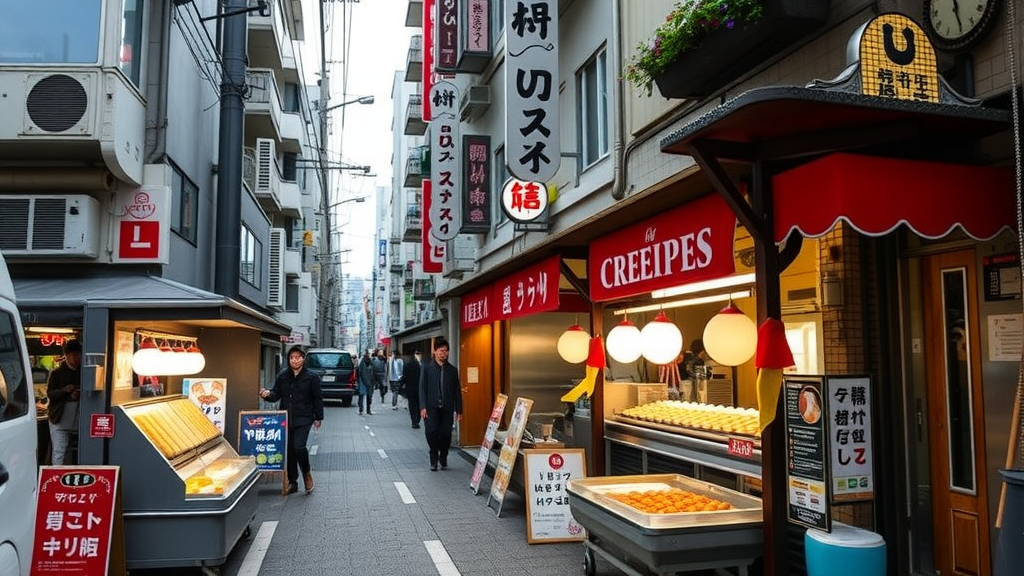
546 473
485 446
264 436
507 457
741 447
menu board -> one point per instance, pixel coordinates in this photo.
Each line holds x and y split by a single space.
263 434
509 450
210 395
546 473
485 447
806 463
849 417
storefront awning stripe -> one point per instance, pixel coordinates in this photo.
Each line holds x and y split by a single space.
876 195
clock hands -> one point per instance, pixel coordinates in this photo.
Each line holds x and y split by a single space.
956 13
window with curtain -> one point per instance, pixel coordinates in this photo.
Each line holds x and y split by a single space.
592 112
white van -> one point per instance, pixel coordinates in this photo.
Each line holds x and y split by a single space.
18 467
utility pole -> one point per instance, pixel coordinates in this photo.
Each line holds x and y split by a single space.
327 292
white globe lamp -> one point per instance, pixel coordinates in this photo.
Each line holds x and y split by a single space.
145 361
660 340
623 342
730 337
574 344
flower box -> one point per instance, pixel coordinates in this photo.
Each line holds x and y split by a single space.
726 53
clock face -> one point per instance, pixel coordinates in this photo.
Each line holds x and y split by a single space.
956 24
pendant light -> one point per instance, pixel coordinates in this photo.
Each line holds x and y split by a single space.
574 344
730 337
623 342
145 361
660 340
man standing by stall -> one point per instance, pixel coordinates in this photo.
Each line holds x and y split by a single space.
440 403
298 389
62 390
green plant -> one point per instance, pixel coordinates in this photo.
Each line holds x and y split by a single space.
689 22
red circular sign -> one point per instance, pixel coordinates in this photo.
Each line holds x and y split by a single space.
556 461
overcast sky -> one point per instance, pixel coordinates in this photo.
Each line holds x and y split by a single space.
378 46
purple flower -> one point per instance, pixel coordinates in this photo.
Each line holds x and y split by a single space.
730 24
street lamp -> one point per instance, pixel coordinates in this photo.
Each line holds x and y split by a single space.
347 200
360 100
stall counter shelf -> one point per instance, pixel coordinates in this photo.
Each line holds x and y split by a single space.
188 497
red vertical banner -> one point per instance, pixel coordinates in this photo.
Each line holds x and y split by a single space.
433 249
428 56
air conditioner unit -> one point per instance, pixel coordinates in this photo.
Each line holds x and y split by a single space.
275 283
58 104
474 102
459 257
49 225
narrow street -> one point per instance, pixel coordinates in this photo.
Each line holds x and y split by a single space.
378 510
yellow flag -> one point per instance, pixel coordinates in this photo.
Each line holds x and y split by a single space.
586 385
769 384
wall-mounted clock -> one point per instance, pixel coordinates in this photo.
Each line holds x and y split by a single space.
959 24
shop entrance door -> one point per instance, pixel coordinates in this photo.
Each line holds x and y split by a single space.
953 373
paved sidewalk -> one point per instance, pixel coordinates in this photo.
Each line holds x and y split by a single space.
355 521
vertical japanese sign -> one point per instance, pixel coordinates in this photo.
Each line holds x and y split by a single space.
446 36
433 249
476 201
428 55
445 212
807 462
78 522
547 472
142 225
485 447
532 140
908 71
849 412
264 436
210 395
382 254
475 24
478 308
509 450
529 291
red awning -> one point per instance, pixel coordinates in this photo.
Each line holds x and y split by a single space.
875 195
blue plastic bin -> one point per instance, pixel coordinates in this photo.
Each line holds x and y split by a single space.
847 551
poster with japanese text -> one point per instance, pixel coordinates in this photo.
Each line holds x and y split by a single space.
849 414
210 395
78 527
509 450
807 461
485 446
264 436
546 473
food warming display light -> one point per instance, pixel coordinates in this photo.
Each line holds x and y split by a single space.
660 340
165 359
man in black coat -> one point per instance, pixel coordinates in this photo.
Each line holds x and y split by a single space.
440 403
411 383
298 389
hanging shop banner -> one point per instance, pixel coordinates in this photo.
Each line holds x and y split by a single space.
478 308
529 291
848 399
476 178
142 225
524 202
210 395
428 57
546 473
446 36
532 139
807 474
690 243
264 436
485 447
445 163
433 249
78 528
474 35
509 451
890 70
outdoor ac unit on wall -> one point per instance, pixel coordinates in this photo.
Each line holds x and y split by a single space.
49 225
58 104
474 102
275 284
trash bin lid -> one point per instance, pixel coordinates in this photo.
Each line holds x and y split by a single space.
847 536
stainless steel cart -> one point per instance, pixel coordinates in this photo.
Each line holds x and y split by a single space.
641 544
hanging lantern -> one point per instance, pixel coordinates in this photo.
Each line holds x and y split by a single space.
623 342
193 359
730 337
146 360
166 361
660 340
574 344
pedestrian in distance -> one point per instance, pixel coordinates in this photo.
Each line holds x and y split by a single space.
298 390
395 368
365 382
63 388
411 383
440 403
380 368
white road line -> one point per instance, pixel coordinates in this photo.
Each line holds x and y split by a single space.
403 491
313 449
382 453
442 561
371 433
254 558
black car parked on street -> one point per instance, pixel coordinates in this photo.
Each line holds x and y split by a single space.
337 373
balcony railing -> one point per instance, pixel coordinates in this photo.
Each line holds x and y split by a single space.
414 124
414 62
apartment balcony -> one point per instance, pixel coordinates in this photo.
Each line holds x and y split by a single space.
291 199
261 173
413 231
407 276
397 266
414 124
417 167
270 38
292 262
414 62
414 14
264 115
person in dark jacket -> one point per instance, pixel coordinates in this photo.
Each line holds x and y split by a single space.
380 369
365 382
411 383
440 403
63 388
298 389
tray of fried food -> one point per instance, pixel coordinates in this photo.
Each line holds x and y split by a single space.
715 418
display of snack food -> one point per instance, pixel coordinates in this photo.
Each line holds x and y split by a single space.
717 418
216 476
670 501
174 427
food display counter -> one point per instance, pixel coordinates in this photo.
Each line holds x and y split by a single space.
697 525
187 495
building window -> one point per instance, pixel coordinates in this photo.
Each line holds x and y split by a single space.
592 115
289 161
291 297
498 19
251 266
184 205
130 56
56 32
500 177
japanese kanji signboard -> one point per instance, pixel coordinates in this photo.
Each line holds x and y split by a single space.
142 225
529 291
897 60
78 527
476 201
807 474
509 451
433 248
532 139
849 415
445 213
446 36
546 472
264 436
524 202
485 447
